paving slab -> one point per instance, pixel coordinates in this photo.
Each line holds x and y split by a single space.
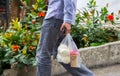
113 70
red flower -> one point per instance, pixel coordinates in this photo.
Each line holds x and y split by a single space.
31 48
15 47
41 14
110 17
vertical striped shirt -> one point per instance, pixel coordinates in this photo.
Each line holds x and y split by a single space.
62 9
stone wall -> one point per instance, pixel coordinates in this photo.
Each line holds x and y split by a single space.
101 55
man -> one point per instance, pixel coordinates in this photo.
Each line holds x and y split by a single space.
60 15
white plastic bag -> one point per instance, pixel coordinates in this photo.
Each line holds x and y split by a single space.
68 52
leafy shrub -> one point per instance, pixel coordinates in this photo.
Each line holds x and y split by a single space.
20 40
87 31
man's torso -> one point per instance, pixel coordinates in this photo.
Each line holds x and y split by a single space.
56 9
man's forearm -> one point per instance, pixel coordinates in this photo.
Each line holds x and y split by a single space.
69 11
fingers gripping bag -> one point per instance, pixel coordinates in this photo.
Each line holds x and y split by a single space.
68 52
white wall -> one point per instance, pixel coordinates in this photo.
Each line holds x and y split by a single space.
114 5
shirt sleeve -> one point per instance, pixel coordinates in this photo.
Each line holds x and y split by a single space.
69 11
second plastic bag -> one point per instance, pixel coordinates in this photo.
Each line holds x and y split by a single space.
68 52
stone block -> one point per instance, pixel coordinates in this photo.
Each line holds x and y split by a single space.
95 56
31 71
114 52
26 71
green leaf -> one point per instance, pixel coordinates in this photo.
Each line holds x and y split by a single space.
17 56
27 1
9 54
12 60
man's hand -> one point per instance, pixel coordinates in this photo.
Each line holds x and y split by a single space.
66 27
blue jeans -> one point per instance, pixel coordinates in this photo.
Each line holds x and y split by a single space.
51 36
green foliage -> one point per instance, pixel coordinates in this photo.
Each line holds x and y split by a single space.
27 1
3 64
87 29
40 5
19 42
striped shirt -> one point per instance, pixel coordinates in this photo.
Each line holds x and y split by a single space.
62 9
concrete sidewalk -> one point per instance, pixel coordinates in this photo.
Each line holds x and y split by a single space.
113 70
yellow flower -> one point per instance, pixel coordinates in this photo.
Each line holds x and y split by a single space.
26 26
24 51
35 6
37 36
8 35
38 0
84 39
14 21
35 42
16 24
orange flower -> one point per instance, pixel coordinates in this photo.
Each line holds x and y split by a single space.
110 17
41 14
31 48
24 43
15 47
